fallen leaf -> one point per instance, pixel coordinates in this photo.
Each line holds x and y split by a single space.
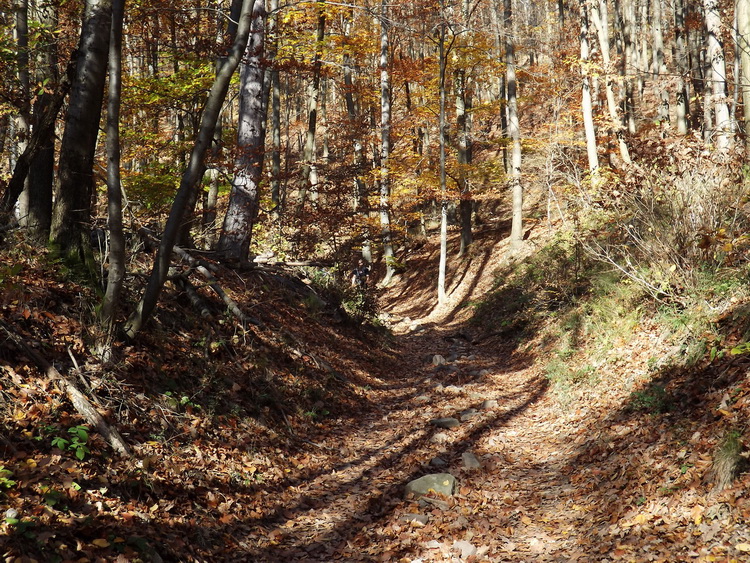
101 542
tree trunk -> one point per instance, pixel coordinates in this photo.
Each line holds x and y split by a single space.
463 106
516 229
191 176
42 171
586 105
683 68
116 272
631 62
71 219
442 269
743 41
600 21
658 67
309 177
385 144
23 119
237 230
715 54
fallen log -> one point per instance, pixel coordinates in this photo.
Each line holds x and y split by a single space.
74 394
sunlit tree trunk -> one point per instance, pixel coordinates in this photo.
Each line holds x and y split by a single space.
443 183
715 53
658 66
743 44
309 167
71 217
600 20
385 144
514 130
242 211
192 175
630 65
586 105
683 68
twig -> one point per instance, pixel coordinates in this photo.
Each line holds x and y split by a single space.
213 283
76 397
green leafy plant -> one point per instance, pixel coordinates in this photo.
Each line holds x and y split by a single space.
77 442
5 478
653 399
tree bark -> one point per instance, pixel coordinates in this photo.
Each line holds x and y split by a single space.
715 54
71 217
237 230
514 131
116 271
309 177
443 266
600 21
385 144
743 40
191 176
683 68
586 104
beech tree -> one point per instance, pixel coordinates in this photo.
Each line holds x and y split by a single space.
240 217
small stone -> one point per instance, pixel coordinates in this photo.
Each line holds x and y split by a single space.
440 483
440 438
489 404
452 389
446 422
422 399
11 514
420 519
438 462
484 373
438 360
431 503
468 414
470 461
465 548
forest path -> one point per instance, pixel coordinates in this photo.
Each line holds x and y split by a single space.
517 507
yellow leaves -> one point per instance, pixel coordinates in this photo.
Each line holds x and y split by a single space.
696 514
101 543
743 547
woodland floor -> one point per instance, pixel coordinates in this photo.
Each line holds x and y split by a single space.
578 478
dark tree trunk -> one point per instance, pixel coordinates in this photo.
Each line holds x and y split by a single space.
71 219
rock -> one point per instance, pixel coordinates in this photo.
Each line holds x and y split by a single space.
420 519
441 483
446 422
438 360
484 373
454 390
489 404
468 414
438 462
465 549
440 438
432 503
470 461
421 399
